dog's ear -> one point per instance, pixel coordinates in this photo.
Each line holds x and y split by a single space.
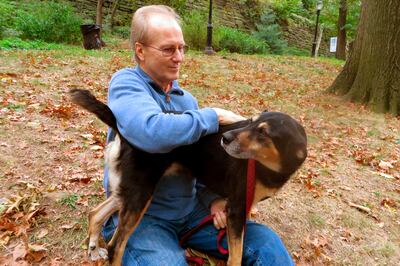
265 111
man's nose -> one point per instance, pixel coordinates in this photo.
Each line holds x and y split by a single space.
178 55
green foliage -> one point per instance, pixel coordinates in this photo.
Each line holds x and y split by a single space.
285 8
295 51
307 4
330 14
178 5
69 200
251 9
194 29
236 41
48 21
122 31
269 31
18 44
7 16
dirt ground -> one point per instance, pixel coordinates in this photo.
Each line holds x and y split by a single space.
341 208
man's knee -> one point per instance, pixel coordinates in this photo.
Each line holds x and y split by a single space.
160 257
264 247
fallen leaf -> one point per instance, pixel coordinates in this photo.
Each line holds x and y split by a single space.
20 252
385 165
42 233
37 252
96 147
388 202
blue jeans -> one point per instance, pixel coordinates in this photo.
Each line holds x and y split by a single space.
155 242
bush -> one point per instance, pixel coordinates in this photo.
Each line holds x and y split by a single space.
269 31
285 8
122 31
48 21
236 41
194 29
18 44
7 16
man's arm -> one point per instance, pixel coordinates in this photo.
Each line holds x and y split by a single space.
142 122
215 203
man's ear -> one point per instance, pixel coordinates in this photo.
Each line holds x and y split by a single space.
139 51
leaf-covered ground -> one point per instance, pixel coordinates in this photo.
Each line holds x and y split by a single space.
341 208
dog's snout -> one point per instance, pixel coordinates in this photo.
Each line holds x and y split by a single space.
227 138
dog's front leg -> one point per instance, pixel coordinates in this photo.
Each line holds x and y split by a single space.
235 244
97 217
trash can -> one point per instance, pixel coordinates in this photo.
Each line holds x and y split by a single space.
91 36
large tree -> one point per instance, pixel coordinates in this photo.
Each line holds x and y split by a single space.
371 75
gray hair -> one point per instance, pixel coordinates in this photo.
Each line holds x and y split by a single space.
140 21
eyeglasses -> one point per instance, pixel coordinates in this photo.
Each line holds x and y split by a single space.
169 51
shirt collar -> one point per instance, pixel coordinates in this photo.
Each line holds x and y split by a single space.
175 89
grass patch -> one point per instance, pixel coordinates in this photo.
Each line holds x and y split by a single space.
355 220
316 220
15 107
19 44
69 200
387 250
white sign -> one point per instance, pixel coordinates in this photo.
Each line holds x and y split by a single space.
333 44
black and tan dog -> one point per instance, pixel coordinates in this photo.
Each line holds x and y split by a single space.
276 141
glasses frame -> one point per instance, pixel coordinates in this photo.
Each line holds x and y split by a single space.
167 52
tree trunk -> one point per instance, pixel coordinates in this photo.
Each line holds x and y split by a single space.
99 14
341 39
319 39
113 10
371 75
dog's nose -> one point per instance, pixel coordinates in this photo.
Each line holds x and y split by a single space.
227 138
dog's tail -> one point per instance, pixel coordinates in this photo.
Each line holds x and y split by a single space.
86 100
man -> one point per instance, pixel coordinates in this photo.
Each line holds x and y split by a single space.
139 98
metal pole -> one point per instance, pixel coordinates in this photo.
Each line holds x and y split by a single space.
209 50
314 46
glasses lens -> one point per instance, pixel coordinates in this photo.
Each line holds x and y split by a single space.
171 51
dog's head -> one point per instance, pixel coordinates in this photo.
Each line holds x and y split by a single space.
274 139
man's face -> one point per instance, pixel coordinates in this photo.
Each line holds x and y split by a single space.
163 33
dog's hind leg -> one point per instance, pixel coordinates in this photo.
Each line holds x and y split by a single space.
97 217
128 220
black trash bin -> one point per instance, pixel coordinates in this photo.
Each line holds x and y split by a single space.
91 36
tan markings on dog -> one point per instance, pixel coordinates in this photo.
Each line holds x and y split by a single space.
300 154
263 125
176 169
235 247
243 139
97 217
269 157
254 118
112 159
262 192
127 224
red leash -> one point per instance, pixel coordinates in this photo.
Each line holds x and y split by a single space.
250 187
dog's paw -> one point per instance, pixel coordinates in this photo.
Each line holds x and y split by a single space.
97 254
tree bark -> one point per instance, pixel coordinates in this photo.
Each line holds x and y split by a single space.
99 14
113 10
319 39
341 39
371 75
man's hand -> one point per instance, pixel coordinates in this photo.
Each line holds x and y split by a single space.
218 209
226 117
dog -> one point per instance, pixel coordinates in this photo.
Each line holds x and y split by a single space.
276 141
